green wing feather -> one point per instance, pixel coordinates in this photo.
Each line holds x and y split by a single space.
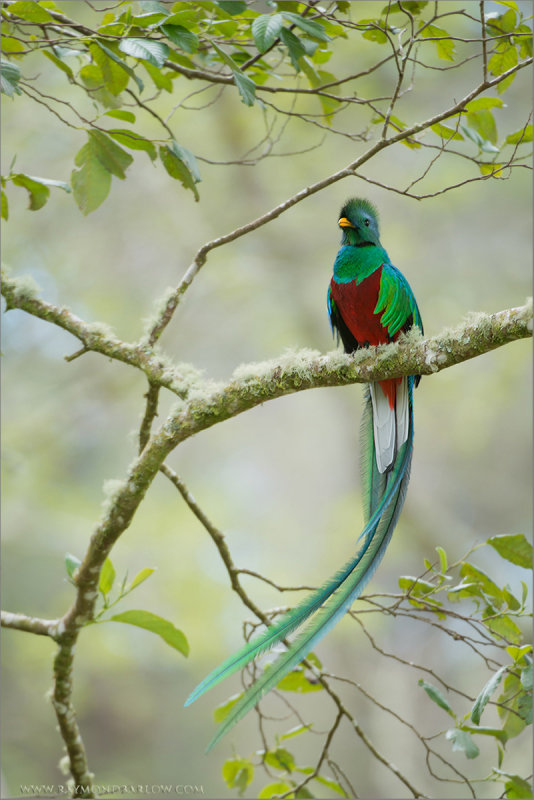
396 301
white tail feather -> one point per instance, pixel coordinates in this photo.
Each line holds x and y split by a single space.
401 410
385 428
390 426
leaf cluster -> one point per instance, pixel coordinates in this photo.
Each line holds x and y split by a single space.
140 618
138 50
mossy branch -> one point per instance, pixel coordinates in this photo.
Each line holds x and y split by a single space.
207 402
254 384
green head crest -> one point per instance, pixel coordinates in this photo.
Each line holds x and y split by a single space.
359 221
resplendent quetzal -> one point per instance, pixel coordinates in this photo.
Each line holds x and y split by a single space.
369 303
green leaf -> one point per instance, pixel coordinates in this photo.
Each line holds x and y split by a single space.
181 164
225 58
162 80
280 759
296 681
90 184
312 658
155 53
482 103
517 653
497 733
115 78
515 786
38 191
11 46
265 30
91 76
59 63
120 63
294 45
526 675
9 78
71 564
238 773
477 576
484 124
127 116
232 7
317 79
439 550
524 40
376 32
514 547
276 789
461 740
507 22
94 81
110 155
141 577
107 577
222 711
436 696
521 136
524 707
504 84
151 622
502 61
416 586
511 600
444 44
30 11
4 208
502 626
413 6
474 136
246 87
153 7
296 731
309 26
513 720
334 785
181 37
485 694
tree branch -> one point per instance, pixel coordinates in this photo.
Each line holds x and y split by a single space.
21 622
206 403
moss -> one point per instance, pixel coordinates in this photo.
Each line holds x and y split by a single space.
18 290
158 310
111 488
292 360
102 329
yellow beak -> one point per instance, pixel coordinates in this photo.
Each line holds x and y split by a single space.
344 223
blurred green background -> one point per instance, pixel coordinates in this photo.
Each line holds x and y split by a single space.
281 481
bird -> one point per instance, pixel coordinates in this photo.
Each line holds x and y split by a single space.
369 303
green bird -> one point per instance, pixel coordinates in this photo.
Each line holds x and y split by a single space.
369 303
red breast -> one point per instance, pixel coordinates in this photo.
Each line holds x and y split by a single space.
356 304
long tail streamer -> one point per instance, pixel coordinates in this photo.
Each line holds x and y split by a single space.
384 495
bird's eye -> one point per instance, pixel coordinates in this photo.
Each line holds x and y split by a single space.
366 223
